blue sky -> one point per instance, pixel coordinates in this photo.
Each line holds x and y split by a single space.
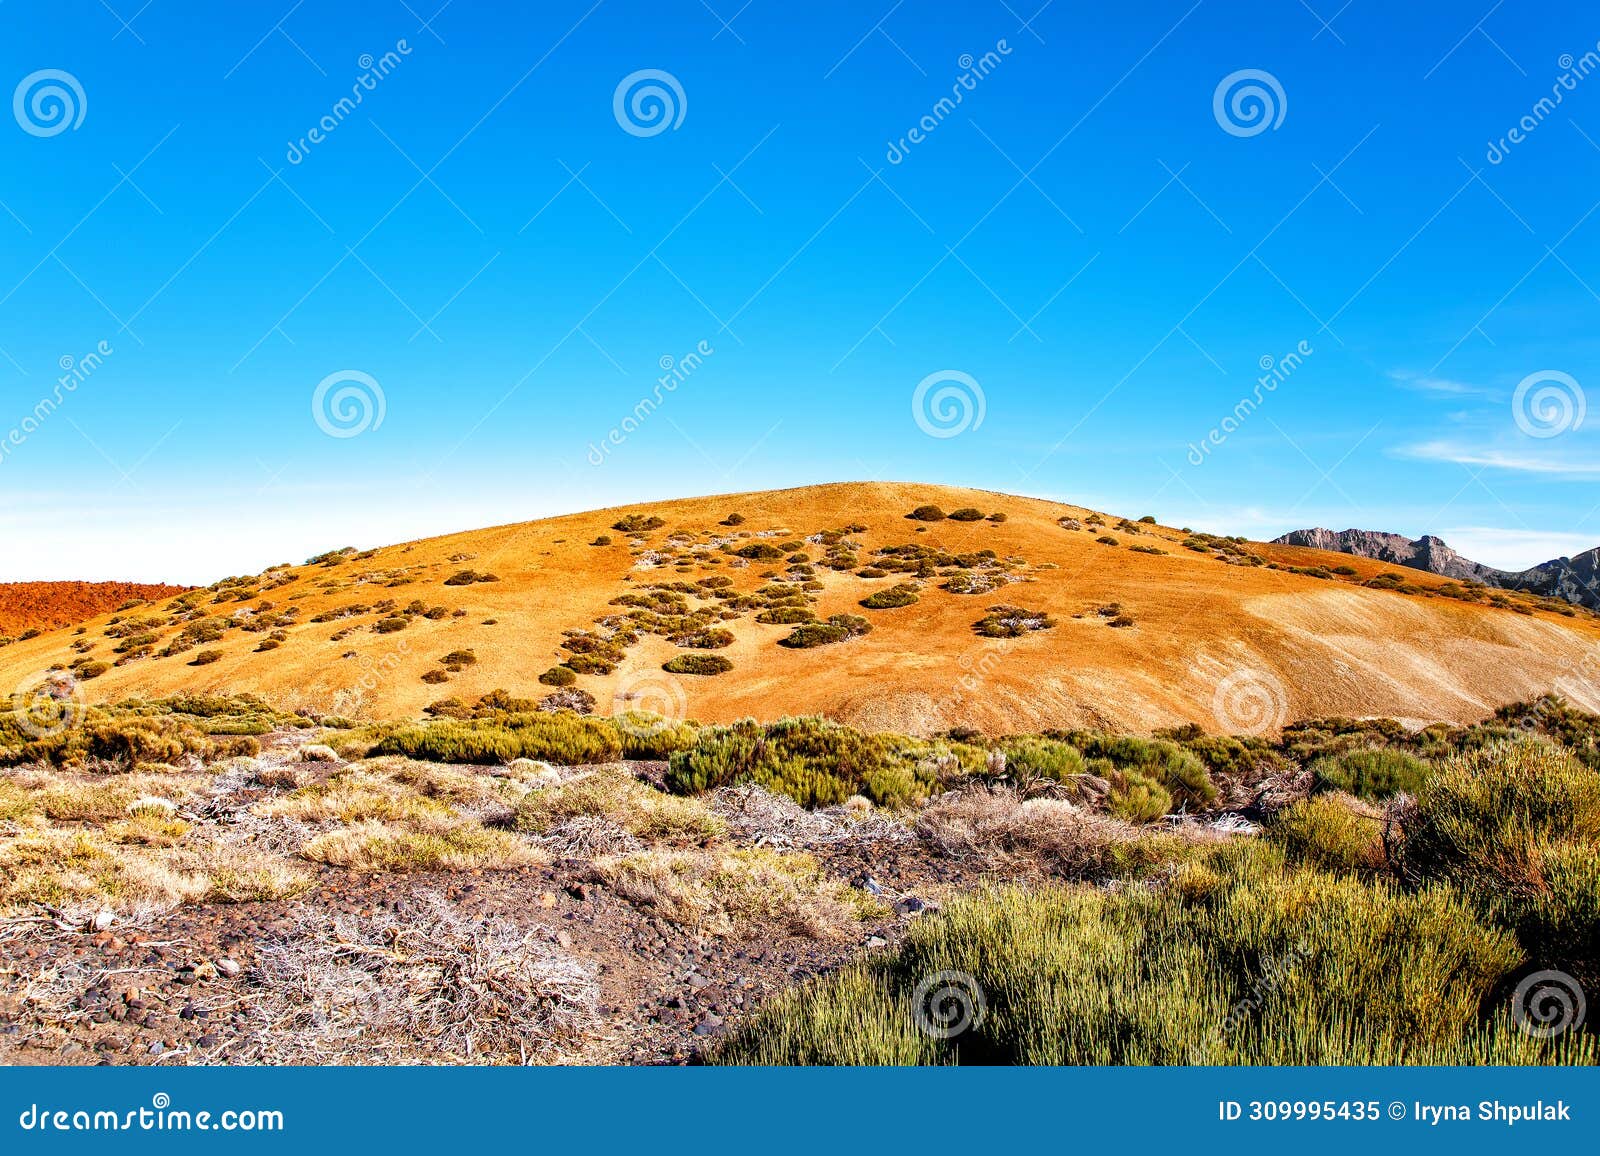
1104 257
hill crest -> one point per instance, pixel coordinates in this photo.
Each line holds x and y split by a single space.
1148 626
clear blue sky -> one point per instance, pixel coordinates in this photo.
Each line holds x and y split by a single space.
1081 236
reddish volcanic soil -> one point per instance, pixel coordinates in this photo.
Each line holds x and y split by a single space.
48 605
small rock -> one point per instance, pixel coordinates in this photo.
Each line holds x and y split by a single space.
877 941
547 899
228 968
910 905
709 1025
103 919
698 981
317 753
157 1048
564 939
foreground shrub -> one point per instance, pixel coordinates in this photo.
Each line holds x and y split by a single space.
1243 964
1329 832
613 794
1031 757
1371 774
559 676
1137 797
1516 827
1176 770
557 738
817 762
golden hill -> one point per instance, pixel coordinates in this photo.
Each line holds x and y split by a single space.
1158 629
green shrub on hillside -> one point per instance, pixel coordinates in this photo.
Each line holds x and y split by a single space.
891 598
638 523
1179 771
697 664
838 628
1137 797
966 514
1516 827
817 762
1327 832
557 738
1370 774
927 514
1032 757
558 676
1012 622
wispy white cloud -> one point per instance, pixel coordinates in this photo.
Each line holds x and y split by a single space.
1426 383
1515 549
1550 466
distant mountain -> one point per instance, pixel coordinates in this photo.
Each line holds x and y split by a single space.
1575 580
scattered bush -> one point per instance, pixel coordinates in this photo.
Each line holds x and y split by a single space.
891 598
569 698
927 514
838 628
786 616
966 514
205 658
638 523
1012 622
698 664
711 638
434 677
559 676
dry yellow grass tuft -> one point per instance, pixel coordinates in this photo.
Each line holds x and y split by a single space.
372 845
742 892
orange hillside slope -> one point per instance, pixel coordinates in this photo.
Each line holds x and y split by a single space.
1232 647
